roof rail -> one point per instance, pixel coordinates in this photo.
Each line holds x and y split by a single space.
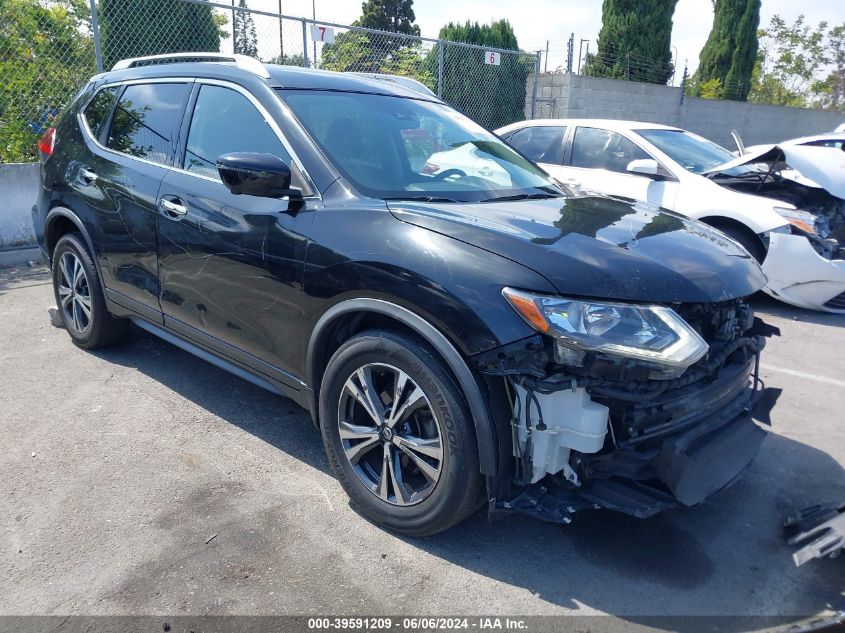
250 64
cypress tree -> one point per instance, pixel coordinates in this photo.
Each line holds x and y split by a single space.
135 28
396 16
245 41
634 41
727 59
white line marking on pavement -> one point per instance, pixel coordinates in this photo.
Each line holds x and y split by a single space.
804 374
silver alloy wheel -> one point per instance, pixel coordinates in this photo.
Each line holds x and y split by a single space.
390 434
74 293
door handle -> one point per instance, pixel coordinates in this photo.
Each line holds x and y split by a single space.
88 176
172 208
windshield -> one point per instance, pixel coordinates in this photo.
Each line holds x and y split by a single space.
407 149
692 152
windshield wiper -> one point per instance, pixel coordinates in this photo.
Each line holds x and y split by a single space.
523 196
421 199
748 175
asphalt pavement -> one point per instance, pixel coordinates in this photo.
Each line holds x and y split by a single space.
141 480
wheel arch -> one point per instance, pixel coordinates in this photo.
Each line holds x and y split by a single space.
719 221
60 221
348 317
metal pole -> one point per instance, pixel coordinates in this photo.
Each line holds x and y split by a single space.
534 87
674 64
440 46
304 43
234 33
314 16
546 67
581 48
95 27
281 35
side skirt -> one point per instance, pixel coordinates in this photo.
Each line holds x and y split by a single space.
233 367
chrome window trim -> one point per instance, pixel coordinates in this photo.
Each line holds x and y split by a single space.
197 80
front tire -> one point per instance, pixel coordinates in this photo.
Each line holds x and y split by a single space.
79 296
398 434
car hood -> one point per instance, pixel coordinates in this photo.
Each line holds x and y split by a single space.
595 246
824 166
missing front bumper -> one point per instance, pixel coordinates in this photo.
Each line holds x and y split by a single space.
686 469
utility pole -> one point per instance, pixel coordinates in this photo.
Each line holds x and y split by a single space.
546 67
580 49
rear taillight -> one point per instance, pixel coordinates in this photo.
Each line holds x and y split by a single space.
47 142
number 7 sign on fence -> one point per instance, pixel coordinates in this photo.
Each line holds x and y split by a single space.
492 57
321 33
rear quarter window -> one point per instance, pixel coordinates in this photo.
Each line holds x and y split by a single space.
97 110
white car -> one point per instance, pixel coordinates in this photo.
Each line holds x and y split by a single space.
468 160
789 226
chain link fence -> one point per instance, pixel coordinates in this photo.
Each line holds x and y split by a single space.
50 48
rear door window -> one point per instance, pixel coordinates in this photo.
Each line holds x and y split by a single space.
541 143
595 148
97 110
143 121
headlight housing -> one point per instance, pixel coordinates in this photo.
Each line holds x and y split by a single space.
649 333
804 220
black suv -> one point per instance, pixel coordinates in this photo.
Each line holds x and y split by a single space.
460 336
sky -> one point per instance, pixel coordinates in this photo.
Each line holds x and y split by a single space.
535 21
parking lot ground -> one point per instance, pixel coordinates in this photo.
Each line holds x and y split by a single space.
141 480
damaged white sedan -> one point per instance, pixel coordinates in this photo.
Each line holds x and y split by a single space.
785 204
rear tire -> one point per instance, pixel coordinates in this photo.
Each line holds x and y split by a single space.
79 296
413 466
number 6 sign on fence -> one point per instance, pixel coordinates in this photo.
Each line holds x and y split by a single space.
492 57
321 33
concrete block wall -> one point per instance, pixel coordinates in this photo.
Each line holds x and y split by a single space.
578 96
756 123
18 191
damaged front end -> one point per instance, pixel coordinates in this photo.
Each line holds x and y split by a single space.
597 425
806 178
805 264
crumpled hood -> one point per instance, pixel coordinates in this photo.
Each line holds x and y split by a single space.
824 166
595 246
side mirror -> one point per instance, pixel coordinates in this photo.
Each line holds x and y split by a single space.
644 166
252 174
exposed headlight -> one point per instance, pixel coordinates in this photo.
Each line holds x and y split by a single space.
804 220
650 333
